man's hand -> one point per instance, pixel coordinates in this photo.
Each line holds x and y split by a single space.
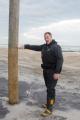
56 76
20 46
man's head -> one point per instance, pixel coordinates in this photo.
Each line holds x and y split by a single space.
48 37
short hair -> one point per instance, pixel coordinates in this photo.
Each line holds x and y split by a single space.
48 33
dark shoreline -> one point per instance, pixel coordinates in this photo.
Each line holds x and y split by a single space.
62 50
70 51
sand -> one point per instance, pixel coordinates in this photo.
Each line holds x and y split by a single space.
33 91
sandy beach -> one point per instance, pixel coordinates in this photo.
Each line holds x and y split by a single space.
33 91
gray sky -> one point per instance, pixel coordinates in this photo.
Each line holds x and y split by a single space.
61 17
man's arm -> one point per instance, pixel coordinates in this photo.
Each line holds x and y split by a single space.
59 57
33 47
59 63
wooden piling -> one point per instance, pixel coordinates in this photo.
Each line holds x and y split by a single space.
13 86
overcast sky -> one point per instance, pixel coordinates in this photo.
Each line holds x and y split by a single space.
61 17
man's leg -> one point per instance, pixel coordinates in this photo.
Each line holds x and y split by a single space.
50 84
45 80
51 95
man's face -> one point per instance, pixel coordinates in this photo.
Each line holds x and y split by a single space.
48 38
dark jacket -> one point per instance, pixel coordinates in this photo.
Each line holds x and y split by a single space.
51 55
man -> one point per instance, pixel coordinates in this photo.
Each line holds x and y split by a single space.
52 60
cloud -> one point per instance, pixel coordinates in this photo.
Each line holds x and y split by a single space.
42 12
43 15
66 32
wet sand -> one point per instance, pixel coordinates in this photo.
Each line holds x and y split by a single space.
33 92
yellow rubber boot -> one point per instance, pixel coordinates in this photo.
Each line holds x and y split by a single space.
46 113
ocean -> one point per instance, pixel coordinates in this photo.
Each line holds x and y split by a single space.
71 48
64 48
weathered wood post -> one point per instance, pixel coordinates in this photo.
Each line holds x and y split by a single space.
13 52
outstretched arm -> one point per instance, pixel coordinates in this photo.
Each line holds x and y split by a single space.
33 47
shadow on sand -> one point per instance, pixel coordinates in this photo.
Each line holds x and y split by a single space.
70 100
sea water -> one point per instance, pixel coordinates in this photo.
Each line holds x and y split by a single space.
66 48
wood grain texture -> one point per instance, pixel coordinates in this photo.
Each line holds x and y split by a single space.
13 87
